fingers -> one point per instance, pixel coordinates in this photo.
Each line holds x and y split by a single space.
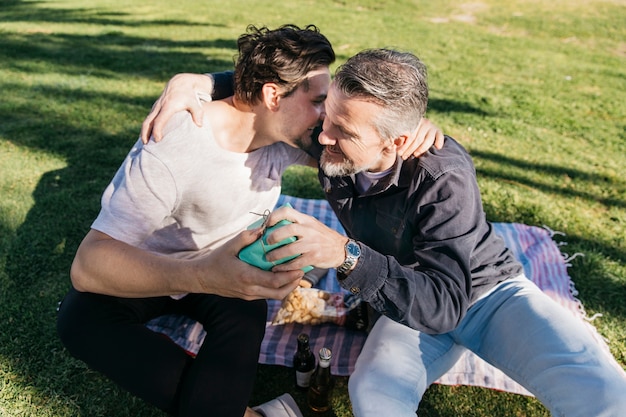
146 129
197 114
275 286
316 245
159 121
243 239
422 147
427 136
146 126
284 213
228 276
414 145
290 280
406 148
439 139
182 92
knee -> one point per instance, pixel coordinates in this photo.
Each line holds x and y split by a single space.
65 328
72 322
381 389
361 386
68 328
612 391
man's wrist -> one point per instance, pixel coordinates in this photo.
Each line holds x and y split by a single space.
352 255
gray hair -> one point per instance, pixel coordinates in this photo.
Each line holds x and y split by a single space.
395 80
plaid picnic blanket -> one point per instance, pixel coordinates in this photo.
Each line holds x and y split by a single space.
534 247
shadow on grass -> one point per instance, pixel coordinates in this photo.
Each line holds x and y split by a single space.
549 170
108 55
450 106
66 201
22 11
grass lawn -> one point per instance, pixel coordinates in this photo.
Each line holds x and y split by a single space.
535 90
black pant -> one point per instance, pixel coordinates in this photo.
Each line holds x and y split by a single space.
109 335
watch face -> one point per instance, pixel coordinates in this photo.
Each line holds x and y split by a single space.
353 249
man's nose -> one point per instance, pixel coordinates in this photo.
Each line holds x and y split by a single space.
324 139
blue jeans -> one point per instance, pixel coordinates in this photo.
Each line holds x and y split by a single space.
516 328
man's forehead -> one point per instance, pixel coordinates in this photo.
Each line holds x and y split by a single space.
337 107
339 103
350 113
319 79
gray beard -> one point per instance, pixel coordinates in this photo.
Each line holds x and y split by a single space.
337 169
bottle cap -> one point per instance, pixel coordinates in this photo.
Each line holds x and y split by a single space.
325 354
303 337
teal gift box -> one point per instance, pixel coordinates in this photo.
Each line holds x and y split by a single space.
254 254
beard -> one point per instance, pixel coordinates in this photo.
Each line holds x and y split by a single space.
337 169
303 143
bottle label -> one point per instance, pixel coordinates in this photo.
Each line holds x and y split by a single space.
303 379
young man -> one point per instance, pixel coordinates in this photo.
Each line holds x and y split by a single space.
169 231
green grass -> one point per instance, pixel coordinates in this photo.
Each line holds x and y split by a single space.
535 91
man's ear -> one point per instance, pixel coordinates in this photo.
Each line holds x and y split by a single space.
398 142
271 96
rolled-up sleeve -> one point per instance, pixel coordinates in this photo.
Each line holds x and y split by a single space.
433 292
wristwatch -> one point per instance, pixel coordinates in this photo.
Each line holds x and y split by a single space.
353 252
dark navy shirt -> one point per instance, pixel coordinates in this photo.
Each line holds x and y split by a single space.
428 251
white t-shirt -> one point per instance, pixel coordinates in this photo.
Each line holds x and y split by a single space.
186 195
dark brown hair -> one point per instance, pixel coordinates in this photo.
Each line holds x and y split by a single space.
283 56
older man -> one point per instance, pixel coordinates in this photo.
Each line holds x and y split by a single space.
422 254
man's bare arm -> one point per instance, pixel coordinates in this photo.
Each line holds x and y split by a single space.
104 265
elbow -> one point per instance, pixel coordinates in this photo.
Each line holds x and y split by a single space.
447 322
79 277
443 321
443 328
432 328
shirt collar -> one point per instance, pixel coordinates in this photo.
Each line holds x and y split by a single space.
392 179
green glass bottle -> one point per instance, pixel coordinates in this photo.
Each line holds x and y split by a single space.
303 362
321 387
